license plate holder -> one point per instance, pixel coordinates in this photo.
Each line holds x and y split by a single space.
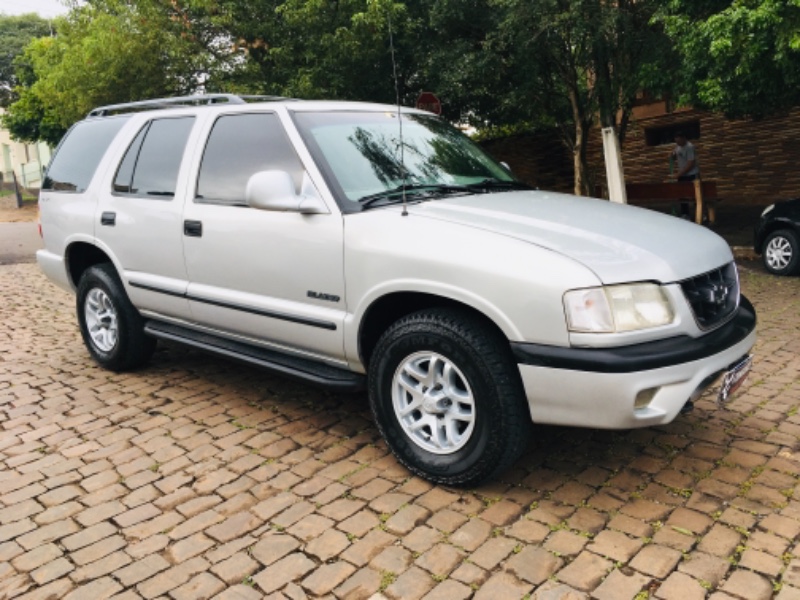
734 378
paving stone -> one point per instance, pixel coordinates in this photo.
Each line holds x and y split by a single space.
422 539
493 552
792 574
141 570
172 578
289 568
553 590
566 543
449 590
747 585
411 585
196 523
720 541
202 585
98 550
329 544
365 549
327 577
236 568
761 562
273 548
156 543
52 570
359 586
501 513
471 575
619 586
103 566
36 557
656 560
532 532
585 572
534 565
393 559
234 527
705 567
188 547
615 545
48 533
679 586
99 589
502 585
471 535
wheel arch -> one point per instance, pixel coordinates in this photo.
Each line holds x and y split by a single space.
82 255
391 307
772 227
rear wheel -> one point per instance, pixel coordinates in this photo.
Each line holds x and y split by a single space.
112 329
782 252
448 398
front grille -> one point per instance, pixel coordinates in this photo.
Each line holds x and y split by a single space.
713 296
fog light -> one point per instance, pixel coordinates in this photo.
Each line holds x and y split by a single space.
644 398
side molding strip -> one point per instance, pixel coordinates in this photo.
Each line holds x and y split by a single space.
255 311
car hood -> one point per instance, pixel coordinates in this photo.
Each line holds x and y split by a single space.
619 243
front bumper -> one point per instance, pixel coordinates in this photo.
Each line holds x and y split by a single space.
588 387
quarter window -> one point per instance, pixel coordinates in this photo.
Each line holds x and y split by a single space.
151 163
238 147
79 153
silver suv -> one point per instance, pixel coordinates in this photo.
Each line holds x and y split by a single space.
363 246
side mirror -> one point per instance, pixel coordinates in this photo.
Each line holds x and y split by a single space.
274 190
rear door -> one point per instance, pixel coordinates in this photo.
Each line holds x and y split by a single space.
138 219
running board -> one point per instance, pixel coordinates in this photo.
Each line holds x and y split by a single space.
312 371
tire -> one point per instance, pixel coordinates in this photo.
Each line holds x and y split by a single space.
475 387
112 329
782 252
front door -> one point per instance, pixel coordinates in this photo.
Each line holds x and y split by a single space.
273 277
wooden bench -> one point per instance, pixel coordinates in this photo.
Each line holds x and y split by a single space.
703 193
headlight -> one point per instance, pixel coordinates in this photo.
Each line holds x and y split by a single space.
617 308
768 209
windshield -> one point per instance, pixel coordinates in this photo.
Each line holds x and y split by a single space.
362 157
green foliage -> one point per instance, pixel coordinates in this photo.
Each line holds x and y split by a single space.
739 57
15 34
102 54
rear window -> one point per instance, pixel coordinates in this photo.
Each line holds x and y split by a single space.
79 153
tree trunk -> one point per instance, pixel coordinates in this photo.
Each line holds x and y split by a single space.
581 182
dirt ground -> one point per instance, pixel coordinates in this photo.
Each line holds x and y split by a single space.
27 213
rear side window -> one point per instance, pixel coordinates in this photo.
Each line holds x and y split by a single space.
79 153
238 147
151 163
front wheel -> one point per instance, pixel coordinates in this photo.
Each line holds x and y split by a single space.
448 398
111 327
782 252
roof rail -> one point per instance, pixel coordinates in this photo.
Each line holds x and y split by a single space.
178 101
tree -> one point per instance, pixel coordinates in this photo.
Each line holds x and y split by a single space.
16 32
103 54
569 63
739 57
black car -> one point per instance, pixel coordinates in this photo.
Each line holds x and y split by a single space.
777 237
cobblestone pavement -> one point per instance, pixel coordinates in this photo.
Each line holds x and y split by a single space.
198 478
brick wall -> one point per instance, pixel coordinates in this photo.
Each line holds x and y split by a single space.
753 162
540 159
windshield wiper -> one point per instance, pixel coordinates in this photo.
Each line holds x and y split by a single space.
491 184
416 189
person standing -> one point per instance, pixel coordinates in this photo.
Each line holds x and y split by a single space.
683 155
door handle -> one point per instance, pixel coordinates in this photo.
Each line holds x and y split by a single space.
193 228
108 218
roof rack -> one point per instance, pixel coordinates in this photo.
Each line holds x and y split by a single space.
179 101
